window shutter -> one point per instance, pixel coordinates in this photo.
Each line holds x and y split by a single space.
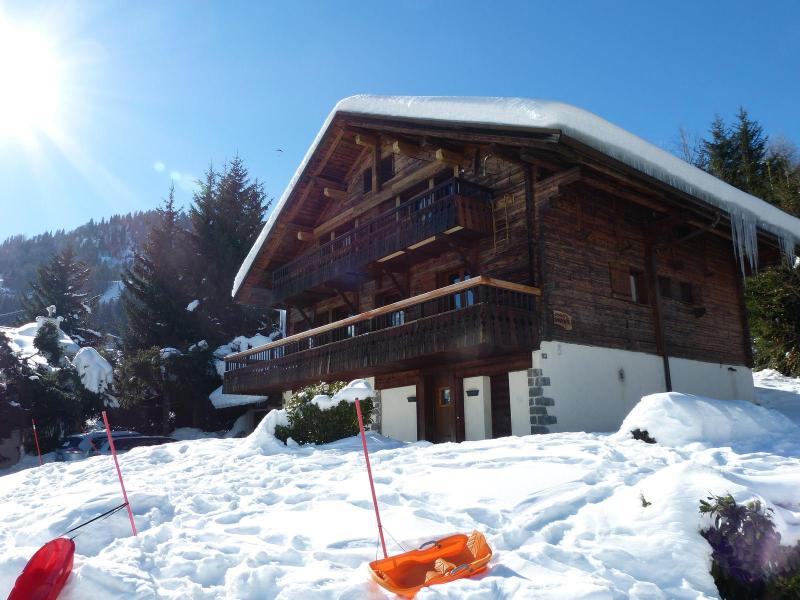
620 281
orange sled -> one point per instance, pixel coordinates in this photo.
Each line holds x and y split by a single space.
442 561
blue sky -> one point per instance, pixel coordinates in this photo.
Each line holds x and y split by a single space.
152 91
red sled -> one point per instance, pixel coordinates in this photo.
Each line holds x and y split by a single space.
46 572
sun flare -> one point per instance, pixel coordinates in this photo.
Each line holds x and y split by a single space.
29 82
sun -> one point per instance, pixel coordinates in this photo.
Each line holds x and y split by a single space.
29 82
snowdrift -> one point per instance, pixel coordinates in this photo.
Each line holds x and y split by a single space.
675 419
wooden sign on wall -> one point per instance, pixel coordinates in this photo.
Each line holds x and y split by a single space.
562 319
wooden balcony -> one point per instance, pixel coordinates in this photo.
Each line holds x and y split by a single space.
455 208
471 319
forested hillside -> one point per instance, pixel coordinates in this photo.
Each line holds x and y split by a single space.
105 246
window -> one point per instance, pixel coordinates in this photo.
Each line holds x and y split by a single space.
395 318
367 180
444 397
341 313
386 169
628 284
465 298
687 292
665 286
423 213
635 287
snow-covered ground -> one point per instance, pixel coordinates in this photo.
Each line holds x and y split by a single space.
777 391
251 518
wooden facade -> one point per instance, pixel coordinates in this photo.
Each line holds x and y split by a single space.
538 237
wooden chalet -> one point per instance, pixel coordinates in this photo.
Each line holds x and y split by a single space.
502 266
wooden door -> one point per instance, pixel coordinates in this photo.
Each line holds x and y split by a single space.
501 405
444 413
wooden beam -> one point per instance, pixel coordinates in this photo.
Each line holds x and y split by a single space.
391 188
551 185
346 300
409 149
376 165
330 183
538 161
467 262
366 139
421 174
449 156
404 292
304 233
334 194
302 314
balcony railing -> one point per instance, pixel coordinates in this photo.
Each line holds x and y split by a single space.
464 320
453 206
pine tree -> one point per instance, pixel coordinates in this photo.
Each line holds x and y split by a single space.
154 298
738 154
226 217
718 153
750 155
61 283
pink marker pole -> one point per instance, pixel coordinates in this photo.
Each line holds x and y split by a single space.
36 437
369 473
119 473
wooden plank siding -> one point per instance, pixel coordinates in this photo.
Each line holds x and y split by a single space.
586 233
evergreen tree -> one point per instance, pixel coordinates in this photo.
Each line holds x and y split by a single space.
718 153
227 216
47 341
61 283
773 307
739 154
171 386
750 155
154 296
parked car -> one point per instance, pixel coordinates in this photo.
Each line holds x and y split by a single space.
82 445
130 442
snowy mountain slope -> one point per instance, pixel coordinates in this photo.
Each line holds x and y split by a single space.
250 518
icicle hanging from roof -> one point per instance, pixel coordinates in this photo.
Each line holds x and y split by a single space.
788 244
744 234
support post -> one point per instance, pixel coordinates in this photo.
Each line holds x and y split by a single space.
119 473
36 437
661 344
529 223
369 473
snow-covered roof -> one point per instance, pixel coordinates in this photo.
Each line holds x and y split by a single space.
220 400
747 212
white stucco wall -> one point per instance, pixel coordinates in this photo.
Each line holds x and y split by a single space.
477 409
398 415
726 382
518 398
594 388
